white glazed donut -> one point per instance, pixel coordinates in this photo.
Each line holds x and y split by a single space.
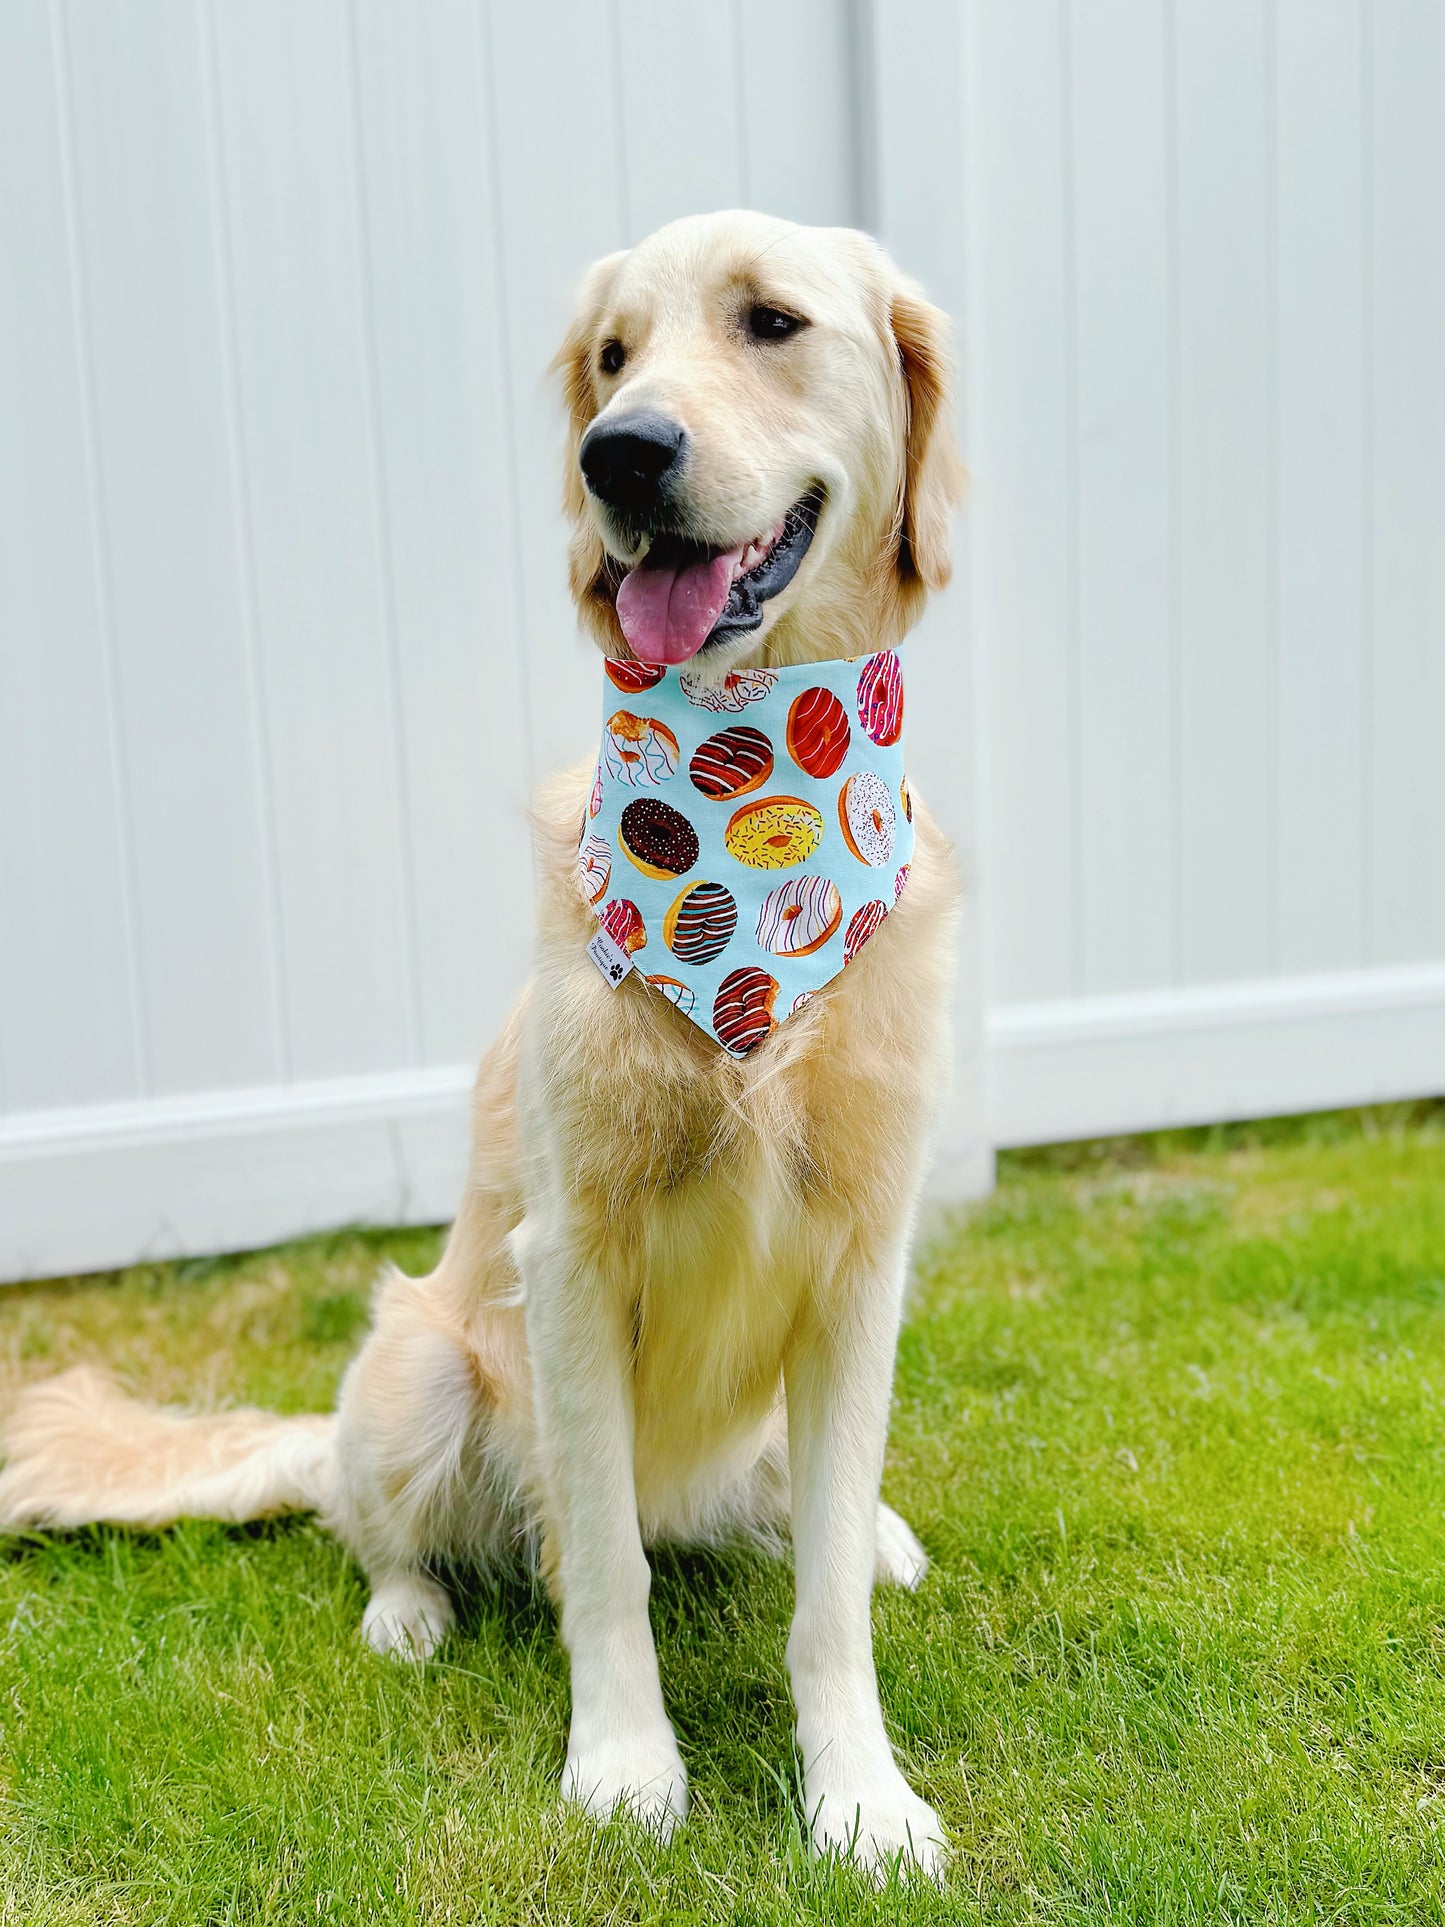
738 688
594 867
799 916
868 816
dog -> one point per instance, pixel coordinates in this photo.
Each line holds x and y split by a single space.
669 1304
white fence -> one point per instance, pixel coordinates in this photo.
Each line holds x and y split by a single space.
283 632
1208 336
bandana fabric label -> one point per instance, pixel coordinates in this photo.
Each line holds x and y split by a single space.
744 840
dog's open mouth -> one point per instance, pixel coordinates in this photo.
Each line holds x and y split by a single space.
682 595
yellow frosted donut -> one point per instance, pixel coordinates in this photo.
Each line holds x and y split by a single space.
774 833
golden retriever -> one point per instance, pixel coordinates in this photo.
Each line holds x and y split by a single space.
669 1305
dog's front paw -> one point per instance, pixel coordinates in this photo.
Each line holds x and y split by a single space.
640 1774
901 1560
879 1826
407 1617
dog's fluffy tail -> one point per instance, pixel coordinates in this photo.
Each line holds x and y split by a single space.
79 1452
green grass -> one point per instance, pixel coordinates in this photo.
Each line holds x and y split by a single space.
1169 1419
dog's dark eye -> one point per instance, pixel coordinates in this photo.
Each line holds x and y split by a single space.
772 324
612 357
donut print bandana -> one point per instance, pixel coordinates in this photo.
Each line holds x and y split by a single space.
744 840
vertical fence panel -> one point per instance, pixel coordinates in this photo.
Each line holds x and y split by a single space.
680 145
173 552
1018 366
67 1031
803 165
1320 863
322 590
442 400
1123 602
1406 697
1226 704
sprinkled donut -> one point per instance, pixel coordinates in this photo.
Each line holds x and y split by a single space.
700 922
742 1011
622 920
633 677
657 838
594 867
880 698
799 916
861 926
868 818
681 994
774 833
638 750
899 881
731 763
818 732
738 688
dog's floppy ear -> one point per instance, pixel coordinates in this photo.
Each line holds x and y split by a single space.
573 363
933 475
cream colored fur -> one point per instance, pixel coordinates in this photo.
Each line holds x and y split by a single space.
669 1304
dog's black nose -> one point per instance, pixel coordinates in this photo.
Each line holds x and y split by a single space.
629 462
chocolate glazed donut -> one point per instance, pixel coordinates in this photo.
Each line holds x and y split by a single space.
657 838
742 1011
732 762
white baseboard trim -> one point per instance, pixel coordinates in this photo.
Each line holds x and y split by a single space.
103 1185
1094 1066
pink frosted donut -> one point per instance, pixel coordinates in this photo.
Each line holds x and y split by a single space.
899 881
799 916
638 750
622 920
868 818
862 925
633 677
880 698
594 867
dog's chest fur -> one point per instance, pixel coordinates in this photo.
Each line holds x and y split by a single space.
725 1199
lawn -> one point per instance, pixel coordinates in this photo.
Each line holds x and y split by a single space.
1171 1421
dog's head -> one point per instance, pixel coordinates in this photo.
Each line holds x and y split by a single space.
760 454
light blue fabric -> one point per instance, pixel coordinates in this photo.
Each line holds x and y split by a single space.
778 849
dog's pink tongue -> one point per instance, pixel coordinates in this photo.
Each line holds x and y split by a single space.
667 614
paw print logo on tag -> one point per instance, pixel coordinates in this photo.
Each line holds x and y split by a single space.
610 958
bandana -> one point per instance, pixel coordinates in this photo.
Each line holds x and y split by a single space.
745 839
